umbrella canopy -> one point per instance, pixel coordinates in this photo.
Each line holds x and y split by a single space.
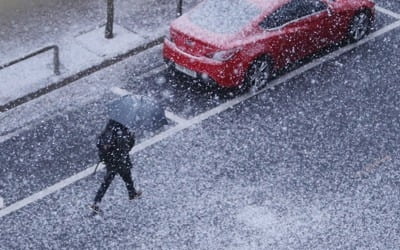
137 112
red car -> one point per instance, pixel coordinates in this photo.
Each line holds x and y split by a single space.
235 42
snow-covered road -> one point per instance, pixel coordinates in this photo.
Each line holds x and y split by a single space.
309 163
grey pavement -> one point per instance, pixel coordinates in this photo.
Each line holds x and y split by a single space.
77 28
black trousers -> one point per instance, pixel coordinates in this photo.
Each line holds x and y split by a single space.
125 174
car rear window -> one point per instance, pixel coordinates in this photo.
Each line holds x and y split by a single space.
224 16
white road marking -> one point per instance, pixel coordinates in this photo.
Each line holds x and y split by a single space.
7 137
387 12
119 92
49 190
175 117
195 120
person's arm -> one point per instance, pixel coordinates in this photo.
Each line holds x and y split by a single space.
131 142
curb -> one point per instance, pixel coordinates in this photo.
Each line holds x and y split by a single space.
72 78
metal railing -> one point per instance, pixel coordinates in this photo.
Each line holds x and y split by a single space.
178 8
56 58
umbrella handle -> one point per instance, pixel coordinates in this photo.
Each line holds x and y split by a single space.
95 169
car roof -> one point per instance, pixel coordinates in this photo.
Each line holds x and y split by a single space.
185 24
269 4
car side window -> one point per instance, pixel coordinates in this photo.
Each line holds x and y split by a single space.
309 7
291 11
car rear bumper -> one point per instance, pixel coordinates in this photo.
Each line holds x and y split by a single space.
225 74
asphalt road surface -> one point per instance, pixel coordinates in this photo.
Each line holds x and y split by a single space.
311 162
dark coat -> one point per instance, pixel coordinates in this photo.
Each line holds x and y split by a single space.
114 145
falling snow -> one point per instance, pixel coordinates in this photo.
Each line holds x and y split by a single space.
310 162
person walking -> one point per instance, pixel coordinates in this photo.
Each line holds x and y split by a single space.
114 145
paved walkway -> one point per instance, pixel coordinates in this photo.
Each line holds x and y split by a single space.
77 28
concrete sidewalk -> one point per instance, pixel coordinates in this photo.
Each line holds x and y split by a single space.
82 52
81 55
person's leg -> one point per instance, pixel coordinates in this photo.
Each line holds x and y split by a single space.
108 178
127 177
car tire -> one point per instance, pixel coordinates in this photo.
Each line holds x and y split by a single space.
258 74
360 26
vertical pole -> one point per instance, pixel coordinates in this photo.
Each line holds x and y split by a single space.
110 19
56 60
179 8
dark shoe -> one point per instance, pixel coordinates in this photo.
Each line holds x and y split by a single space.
136 195
95 208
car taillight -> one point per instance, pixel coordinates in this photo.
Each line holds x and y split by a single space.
223 55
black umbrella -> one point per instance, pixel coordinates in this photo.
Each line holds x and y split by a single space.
137 112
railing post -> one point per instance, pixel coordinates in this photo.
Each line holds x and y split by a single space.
110 19
179 8
56 60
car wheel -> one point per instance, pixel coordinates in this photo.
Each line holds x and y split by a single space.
360 26
259 73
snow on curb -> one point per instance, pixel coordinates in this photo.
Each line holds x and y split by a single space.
77 55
